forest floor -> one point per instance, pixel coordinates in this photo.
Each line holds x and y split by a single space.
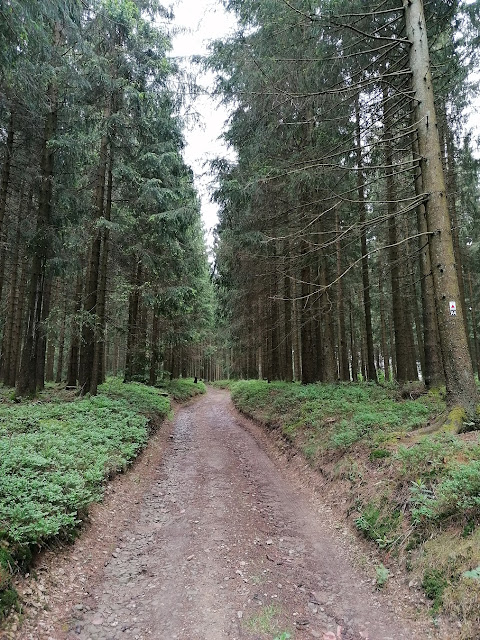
213 534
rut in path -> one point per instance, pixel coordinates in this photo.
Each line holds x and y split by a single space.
226 547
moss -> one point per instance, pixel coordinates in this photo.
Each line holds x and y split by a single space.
23 557
379 454
455 419
469 528
437 392
8 601
6 559
6 566
4 578
434 584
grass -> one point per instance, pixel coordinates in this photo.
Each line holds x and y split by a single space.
140 397
266 621
334 416
55 457
416 499
223 384
183 388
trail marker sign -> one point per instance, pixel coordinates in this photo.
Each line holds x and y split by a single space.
453 308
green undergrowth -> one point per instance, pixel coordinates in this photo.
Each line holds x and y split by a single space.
140 397
54 460
417 498
223 384
334 416
182 389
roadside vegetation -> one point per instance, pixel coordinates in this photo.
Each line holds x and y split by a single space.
56 454
414 495
223 384
182 389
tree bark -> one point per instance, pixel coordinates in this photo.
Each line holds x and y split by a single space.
343 369
296 334
29 365
306 324
61 340
74 354
16 345
5 180
155 351
329 371
460 381
371 371
87 350
398 303
473 307
451 179
42 333
353 347
288 327
383 326
13 299
132 331
433 373
97 374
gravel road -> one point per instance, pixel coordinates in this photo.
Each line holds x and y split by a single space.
210 538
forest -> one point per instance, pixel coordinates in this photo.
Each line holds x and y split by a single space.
339 305
348 235
347 245
103 265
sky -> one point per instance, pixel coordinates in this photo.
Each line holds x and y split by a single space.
203 20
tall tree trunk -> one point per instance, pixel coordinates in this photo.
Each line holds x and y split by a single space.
398 303
473 307
452 207
13 300
4 187
288 328
433 373
413 301
47 342
344 372
330 371
353 347
5 180
74 354
410 309
141 349
29 365
392 348
42 332
306 324
383 326
371 372
27 377
16 345
50 361
61 340
155 352
100 328
132 330
87 350
460 382
296 334
175 370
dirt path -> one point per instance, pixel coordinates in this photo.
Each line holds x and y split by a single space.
211 542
